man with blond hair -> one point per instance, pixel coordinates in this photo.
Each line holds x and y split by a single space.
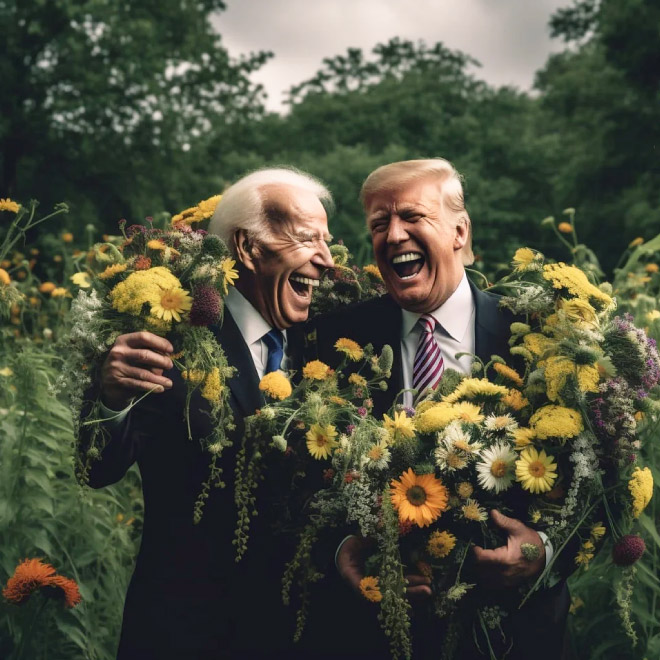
435 318
188 599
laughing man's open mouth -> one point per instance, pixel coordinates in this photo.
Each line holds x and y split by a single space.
407 265
302 285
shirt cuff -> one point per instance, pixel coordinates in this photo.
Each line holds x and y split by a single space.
112 418
350 536
549 550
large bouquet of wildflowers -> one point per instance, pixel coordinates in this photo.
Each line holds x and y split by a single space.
170 282
549 439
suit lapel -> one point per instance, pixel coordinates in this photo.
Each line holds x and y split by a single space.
244 385
488 331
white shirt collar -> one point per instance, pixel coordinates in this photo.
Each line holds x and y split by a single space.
453 315
249 321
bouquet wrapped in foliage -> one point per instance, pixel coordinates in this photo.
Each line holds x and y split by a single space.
550 440
169 282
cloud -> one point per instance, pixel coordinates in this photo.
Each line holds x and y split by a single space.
509 37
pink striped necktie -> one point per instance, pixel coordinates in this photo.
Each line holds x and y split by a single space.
429 365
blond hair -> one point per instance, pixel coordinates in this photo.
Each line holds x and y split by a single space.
400 174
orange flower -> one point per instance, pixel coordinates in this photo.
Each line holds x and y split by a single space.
4 277
565 227
67 237
46 287
31 575
419 498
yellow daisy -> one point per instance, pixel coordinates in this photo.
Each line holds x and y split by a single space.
170 304
536 471
440 544
229 274
7 204
321 440
473 511
370 589
523 258
351 349
399 427
464 490
419 498
357 380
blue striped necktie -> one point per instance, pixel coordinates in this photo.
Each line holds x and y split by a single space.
274 340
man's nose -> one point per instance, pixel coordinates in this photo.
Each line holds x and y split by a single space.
396 231
323 258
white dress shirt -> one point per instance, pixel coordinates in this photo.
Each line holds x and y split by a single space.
454 332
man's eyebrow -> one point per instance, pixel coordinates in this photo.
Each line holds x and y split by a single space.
312 235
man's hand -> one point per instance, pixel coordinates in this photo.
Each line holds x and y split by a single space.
135 364
350 563
506 566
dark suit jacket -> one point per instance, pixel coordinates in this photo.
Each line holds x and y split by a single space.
188 598
543 617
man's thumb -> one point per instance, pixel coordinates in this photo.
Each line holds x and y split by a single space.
509 525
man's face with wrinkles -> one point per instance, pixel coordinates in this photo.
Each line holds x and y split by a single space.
417 244
289 262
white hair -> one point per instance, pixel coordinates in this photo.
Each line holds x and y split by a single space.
397 175
242 205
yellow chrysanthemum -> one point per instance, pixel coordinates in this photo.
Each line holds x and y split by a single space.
559 368
59 292
229 274
400 426
111 271
468 412
556 422
508 373
7 204
539 344
523 437
351 349
157 245
579 311
476 388
357 380
276 385
321 440
202 211
4 277
435 418
575 282
515 400
212 390
373 270
641 489
472 510
370 589
81 279
440 544
464 489
142 287
419 498
316 370
536 471
522 259
170 304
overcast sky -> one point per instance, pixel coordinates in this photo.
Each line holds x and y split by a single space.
509 37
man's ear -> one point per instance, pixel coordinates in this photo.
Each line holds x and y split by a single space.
462 232
244 249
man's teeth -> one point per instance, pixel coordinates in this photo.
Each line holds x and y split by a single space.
304 280
408 256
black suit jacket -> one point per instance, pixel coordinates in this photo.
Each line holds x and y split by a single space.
543 618
188 598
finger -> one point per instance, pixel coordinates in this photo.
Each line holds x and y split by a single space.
135 373
142 385
490 557
147 340
146 357
509 525
417 580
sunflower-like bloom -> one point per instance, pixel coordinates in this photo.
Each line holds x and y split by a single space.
351 349
574 281
7 204
523 259
31 575
476 388
229 273
276 385
370 589
556 422
419 498
321 440
641 489
536 471
400 427
440 544
316 370
170 304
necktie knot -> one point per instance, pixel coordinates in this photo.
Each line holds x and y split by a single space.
427 323
274 340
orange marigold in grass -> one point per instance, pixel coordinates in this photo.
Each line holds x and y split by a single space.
33 574
419 498
565 227
46 287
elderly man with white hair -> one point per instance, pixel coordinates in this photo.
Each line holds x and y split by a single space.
188 598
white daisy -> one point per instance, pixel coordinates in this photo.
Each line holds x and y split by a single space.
461 439
500 424
448 458
377 456
496 467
